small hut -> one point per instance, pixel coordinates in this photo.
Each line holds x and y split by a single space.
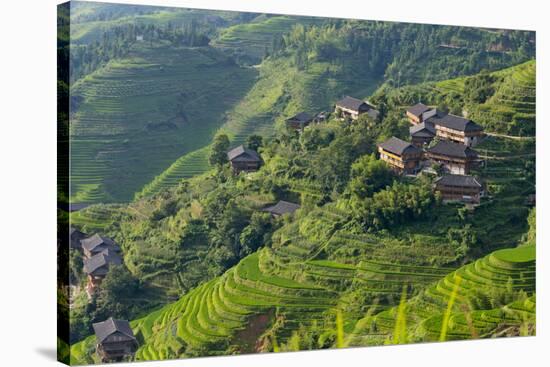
352 107
243 159
299 121
282 207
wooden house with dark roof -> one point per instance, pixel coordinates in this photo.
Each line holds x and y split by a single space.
115 340
282 207
243 159
75 236
415 113
455 158
97 267
401 156
299 121
457 129
461 188
352 107
422 134
95 244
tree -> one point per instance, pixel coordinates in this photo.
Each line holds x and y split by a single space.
254 142
218 152
369 175
117 292
256 234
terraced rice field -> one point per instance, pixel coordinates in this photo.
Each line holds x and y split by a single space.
505 270
250 40
512 108
211 315
95 218
264 108
295 283
133 118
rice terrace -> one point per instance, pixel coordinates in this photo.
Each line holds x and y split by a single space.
234 183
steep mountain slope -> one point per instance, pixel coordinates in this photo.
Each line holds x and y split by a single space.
483 303
270 296
250 42
136 115
280 91
321 266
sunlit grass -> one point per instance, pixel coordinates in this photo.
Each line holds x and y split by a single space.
450 304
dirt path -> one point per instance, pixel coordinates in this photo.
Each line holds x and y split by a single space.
511 136
494 157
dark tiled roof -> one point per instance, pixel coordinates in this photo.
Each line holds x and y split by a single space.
447 148
105 257
353 104
282 207
75 232
96 240
455 122
398 146
110 326
243 154
459 181
423 130
418 109
302 117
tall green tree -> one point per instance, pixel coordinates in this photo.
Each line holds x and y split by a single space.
218 152
369 175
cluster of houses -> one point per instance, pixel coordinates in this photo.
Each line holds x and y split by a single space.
115 339
99 253
346 108
453 152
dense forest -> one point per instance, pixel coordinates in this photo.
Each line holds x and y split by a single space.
203 261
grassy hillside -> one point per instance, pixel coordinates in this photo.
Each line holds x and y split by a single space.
134 117
258 302
370 257
91 20
251 42
483 303
280 91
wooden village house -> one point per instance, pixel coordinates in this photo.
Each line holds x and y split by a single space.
243 159
457 129
299 121
97 267
415 113
96 244
353 107
282 207
461 188
401 156
447 126
455 158
115 340
422 134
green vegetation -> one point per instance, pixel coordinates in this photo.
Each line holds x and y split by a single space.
129 104
370 257
123 110
489 297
